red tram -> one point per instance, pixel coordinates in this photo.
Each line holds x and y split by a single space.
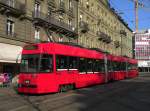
54 67
117 68
132 68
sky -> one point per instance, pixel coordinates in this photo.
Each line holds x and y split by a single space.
125 8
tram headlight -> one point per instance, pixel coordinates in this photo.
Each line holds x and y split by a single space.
27 81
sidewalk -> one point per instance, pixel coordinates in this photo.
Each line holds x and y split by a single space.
7 91
11 101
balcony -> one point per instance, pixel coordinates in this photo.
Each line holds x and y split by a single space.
101 35
12 8
11 34
108 39
70 12
83 26
104 37
122 32
50 22
117 44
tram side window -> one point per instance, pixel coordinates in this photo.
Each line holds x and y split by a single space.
30 63
110 65
120 66
116 66
89 65
129 66
46 64
102 67
98 66
123 66
82 65
73 63
61 62
135 66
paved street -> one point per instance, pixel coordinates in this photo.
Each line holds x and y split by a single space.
126 95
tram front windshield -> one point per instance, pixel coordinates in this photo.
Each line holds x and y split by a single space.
36 63
30 63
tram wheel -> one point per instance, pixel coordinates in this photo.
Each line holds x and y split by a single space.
62 88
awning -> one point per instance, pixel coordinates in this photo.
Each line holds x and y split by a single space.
10 53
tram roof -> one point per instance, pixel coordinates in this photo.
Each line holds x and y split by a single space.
132 61
63 49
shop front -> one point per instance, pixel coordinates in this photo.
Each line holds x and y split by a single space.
144 65
10 56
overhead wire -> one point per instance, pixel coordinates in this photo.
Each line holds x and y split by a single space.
144 6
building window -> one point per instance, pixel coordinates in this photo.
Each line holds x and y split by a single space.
61 2
81 17
70 22
49 9
60 18
37 8
60 39
87 4
87 19
81 2
10 27
37 34
50 38
11 3
92 7
70 4
51 6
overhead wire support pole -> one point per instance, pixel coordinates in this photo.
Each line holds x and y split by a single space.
136 15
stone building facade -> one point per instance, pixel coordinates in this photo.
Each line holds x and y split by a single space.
100 27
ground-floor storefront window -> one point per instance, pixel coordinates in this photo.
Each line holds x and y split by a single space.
11 68
144 69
